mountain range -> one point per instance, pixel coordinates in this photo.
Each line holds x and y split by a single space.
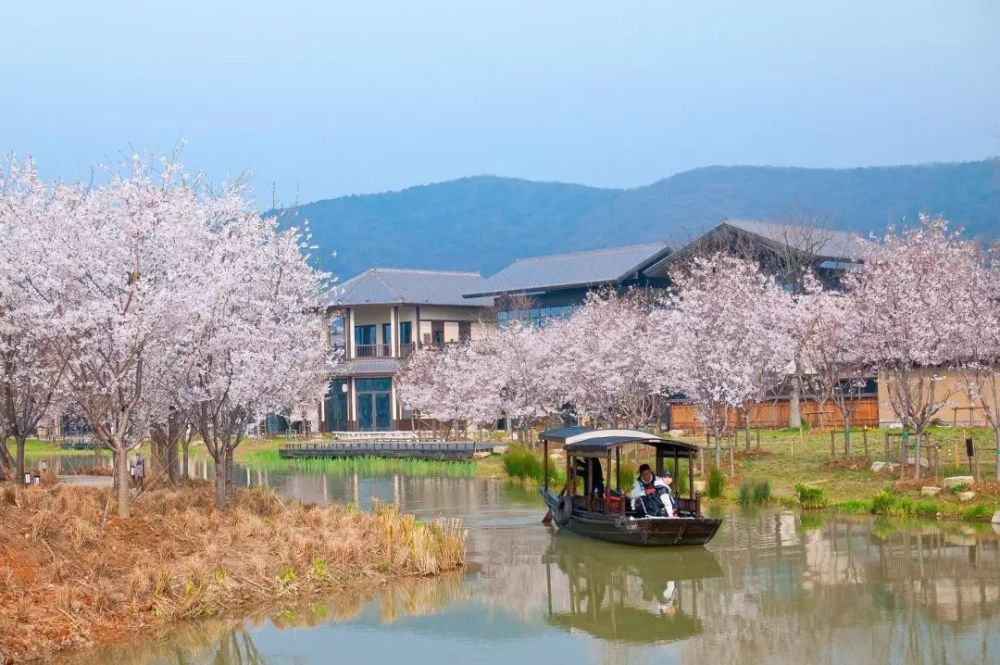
482 223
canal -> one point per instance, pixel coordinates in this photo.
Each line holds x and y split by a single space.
773 587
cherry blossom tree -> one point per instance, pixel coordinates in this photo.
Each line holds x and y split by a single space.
257 342
32 360
905 295
608 359
731 341
979 310
826 333
120 287
503 373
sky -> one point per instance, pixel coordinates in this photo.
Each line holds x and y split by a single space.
321 99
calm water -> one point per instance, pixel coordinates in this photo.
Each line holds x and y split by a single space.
772 587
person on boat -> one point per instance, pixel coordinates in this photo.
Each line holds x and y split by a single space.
668 499
651 495
582 464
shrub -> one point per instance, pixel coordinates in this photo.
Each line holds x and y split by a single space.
892 505
810 496
519 462
716 482
744 494
979 512
926 508
762 492
958 489
756 492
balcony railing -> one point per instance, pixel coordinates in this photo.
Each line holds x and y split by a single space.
372 350
405 350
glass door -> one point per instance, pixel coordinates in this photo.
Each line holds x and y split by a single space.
374 403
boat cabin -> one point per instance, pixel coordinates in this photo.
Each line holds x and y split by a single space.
583 444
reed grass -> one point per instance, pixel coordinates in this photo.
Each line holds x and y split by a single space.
366 466
811 497
522 463
754 493
72 573
716 482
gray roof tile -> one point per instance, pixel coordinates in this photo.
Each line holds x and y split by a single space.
569 270
394 286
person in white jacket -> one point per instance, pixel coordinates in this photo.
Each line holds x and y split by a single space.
646 484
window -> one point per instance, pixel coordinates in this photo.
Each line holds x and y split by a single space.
405 332
387 333
364 334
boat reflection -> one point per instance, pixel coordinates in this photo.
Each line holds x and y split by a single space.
643 597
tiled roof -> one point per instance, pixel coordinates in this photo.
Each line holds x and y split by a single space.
824 243
395 286
571 270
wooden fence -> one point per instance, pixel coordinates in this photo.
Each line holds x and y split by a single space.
774 415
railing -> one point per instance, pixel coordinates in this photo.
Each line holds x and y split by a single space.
405 350
373 351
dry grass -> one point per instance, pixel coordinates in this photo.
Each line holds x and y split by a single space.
72 575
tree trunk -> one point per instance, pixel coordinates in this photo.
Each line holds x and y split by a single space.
718 452
847 437
220 482
746 430
185 474
121 476
172 461
21 440
6 459
996 435
916 456
229 468
794 411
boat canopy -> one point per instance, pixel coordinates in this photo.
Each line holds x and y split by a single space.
586 441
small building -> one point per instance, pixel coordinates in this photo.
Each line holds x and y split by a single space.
554 286
381 316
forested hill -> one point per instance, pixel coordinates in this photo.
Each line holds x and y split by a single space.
483 222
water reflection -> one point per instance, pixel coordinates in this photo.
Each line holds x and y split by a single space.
773 585
650 596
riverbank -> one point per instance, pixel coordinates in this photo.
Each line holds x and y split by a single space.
786 460
73 574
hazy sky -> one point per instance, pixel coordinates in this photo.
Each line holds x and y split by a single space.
329 98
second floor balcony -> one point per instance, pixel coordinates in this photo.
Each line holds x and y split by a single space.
385 350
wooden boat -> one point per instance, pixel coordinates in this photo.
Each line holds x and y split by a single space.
609 516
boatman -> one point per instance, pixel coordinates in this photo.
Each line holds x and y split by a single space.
652 495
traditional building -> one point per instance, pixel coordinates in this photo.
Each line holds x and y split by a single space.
782 250
554 286
381 316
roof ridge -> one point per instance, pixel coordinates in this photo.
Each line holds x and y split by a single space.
395 294
427 271
659 243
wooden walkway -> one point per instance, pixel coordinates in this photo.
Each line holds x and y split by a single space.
426 450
